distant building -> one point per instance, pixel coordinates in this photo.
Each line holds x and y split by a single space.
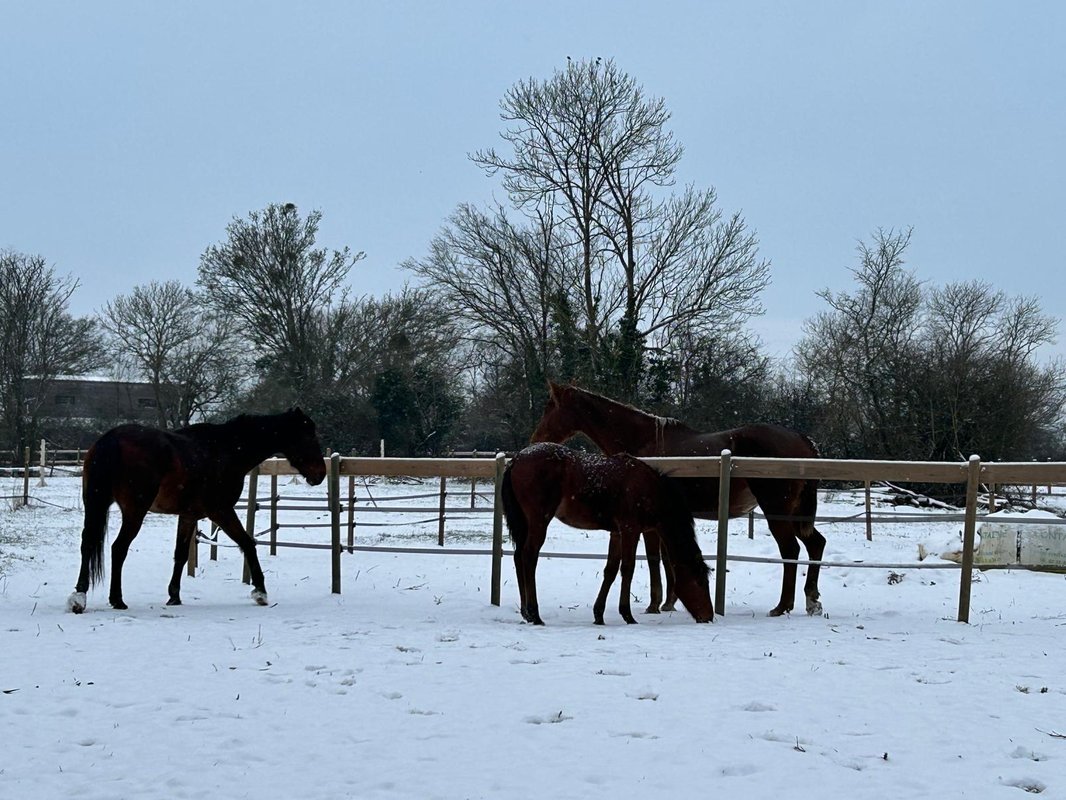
89 397
75 410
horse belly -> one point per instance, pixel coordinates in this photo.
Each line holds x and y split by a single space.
703 499
171 497
578 515
741 502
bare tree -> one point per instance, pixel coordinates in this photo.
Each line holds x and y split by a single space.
271 278
509 283
170 338
941 373
989 394
591 151
39 340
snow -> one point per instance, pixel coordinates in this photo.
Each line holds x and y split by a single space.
410 684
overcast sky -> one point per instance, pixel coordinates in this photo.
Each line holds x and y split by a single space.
132 133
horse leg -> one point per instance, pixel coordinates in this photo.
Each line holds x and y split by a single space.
652 551
814 542
132 518
629 563
610 570
231 526
788 546
537 533
186 530
670 603
520 575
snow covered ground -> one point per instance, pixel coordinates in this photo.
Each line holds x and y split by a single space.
411 685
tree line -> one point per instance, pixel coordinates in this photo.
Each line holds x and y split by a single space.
596 268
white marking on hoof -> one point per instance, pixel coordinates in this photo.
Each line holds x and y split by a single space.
259 597
76 602
814 607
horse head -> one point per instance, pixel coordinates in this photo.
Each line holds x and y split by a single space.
301 446
558 421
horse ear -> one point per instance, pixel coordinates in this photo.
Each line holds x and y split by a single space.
553 387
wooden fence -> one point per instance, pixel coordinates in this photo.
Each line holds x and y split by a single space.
973 474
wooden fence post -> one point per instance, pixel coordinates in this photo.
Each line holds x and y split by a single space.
869 514
351 514
335 518
26 479
440 519
751 524
249 520
274 514
723 532
968 535
497 532
44 462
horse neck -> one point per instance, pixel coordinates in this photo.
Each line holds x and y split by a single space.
617 428
253 440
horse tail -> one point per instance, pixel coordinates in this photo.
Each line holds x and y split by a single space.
97 480
512 511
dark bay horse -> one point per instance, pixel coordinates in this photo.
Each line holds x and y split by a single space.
193 472
788 504
594 492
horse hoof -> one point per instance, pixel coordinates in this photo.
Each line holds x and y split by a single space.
630 620
76 602
118 605
670 606
174 601
260 597
780 611
814 607
651 610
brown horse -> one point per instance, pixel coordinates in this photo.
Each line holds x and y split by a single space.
593 492
789 505
193 472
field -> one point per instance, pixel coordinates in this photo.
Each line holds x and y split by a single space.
410 684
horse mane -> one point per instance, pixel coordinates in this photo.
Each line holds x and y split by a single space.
661 422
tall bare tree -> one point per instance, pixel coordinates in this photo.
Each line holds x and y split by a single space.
171 339
39 340
864 348
588 161
269 275
510 283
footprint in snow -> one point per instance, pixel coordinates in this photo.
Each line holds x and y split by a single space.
756 706
1030 785
551 719
1025 752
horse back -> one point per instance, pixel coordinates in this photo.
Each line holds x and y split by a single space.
757 440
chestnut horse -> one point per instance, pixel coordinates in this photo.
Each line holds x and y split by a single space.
594 492
193 472
789 505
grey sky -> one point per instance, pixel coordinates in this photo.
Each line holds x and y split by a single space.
131 133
